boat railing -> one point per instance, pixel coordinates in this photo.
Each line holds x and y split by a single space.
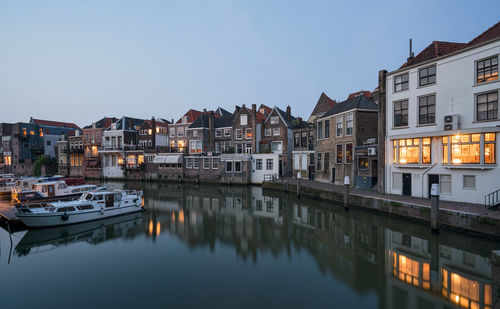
133 192
27 207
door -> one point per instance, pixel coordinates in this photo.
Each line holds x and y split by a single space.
333 175
374 175
432 180
407 184
311 172
50 190
280 168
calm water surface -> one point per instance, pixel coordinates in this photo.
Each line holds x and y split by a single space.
243 247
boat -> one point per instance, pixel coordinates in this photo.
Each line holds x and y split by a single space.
90 206
54 190
7 181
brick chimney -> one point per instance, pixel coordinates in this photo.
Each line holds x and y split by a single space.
382 77
254 128
211 132
153 136
288 113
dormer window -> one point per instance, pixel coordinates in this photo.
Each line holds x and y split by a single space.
275 120
184 119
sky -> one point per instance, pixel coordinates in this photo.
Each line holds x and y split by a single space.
78 61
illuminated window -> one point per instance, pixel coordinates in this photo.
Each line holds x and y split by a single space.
195 146
339 153
7 160
362 163
487 70
340 124
407 151
94 151
24 132
426 150
32 132
120 160
489 148
41 132
181 145
131 161
465 149
150 131
348 153
140 159
248 133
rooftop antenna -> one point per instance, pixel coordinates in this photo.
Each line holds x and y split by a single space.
411 55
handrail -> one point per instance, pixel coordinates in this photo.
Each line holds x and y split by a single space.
491 199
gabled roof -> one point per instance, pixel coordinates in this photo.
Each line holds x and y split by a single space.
191 114
51 123
434 50
222 112
440 48
102 123
492 33
149 124
202 121
266 109
366 93
323 105
359 102
283 117
127 123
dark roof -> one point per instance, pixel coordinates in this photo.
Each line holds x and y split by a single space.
51 123
284 116
128 123
359 102
492 33
219 121
366 93
223 112
191 114
102 123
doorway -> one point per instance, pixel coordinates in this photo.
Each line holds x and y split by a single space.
407 184
50 189
333 175
432 180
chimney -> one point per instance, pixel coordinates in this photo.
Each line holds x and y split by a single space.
254 107
153 136
299 119
411 54
204 111
93 125
211 132
236 109
172 120
288 113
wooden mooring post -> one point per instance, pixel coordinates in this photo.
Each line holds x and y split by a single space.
298 184
435 208
346 192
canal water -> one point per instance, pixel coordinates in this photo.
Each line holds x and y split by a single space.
206 246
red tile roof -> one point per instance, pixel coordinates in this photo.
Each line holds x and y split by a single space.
54 123
492 33
266 108
260 117
366 93
434 50
192 115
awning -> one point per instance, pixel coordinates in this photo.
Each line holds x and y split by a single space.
168 159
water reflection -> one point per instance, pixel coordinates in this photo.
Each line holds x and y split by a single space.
401 263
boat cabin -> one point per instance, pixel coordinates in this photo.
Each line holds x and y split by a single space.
107 199
60 188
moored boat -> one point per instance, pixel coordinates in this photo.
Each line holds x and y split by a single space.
90 206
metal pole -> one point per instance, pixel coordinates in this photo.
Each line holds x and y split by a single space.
435 208
298 184
346 192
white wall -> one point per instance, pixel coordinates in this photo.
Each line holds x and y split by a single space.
258 175
455 91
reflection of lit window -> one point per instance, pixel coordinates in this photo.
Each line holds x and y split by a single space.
120 160
463 291
410 271
140 159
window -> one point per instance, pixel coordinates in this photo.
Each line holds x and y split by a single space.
277 147
303 139
362 163
218 133
487 106
239 134
487 70
469 182
296 140
427 109
327 128
465 149
215 163
195 133
349 124
327 161
248 148
339 153
304 161
48 143
243 120
427 76
258 164
401 82
184 119
401 113
237 166
267 132
229 166
318 163
426 150
407 151
489 148
275 120
94 151
195 146
296 161
196 163
320 130
206 163
180 132
348 153
218 147
227 132
445 184
248 133
276 131
340 124
269 164
239 148
172 132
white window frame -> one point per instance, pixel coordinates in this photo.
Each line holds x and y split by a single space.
218 133
189 162
215 163
206 163
243 120
240 131
276 131
267 131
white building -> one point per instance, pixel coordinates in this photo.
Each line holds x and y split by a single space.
442 121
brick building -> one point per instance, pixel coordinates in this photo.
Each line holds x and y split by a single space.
92 142
178 131
247 129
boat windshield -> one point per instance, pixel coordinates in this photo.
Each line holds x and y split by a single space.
86 196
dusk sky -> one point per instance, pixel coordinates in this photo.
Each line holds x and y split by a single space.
78 61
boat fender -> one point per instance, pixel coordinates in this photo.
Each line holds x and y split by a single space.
102 211
64 217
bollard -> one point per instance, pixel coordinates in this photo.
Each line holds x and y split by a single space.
435 208
495 278
298 184
346 192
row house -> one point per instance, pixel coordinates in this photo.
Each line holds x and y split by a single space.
153 137
442 122
23 143
247 129
121 156
178 131
70 155
92 142
303 150
348 124
223 131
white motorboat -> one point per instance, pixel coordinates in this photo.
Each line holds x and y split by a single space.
6 184
90 206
